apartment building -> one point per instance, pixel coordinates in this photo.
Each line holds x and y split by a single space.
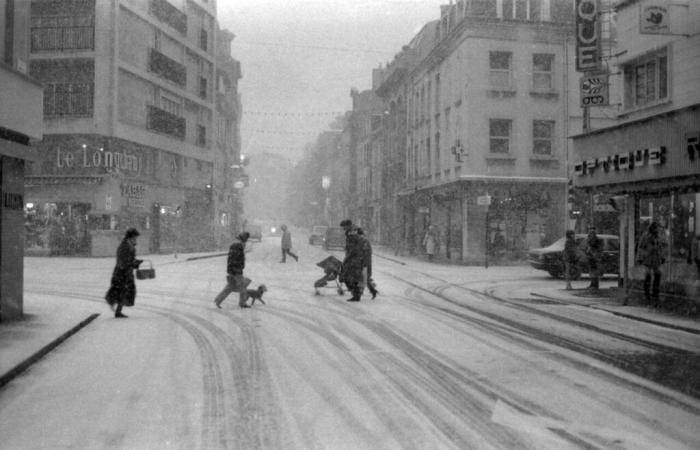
487 119
20 128
648 162
131 105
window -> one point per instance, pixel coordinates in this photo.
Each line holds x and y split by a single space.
542 72
203 87
646 80
542 137
203 39
499 135
68 99
201 135
500 69
525 9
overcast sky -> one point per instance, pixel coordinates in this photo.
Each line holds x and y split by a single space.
300 58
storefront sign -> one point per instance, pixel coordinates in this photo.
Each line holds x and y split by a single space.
134 195
622 161
588 50
13 201
653 19
88 158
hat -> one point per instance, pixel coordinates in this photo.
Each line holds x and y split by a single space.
244 236
131 232
345 223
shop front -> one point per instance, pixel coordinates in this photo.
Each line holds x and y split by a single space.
650 170
488 218
85 191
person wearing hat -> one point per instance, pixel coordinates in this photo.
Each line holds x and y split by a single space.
354 270
235 281
287 245
122 289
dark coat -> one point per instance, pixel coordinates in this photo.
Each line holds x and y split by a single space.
355 260
122 288
236 258
286 240
652 249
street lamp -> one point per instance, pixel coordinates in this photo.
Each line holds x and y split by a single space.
326 184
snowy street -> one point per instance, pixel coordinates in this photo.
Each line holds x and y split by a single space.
446 357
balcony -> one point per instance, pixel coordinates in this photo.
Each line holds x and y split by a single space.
167 68
167 13
164 122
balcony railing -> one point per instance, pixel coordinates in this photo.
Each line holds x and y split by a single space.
167 68
68 99
56 38
165 122
169 14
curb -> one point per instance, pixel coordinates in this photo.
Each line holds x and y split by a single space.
24 365
627 316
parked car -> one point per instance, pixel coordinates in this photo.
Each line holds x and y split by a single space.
334 238
317 233
255 232
550 258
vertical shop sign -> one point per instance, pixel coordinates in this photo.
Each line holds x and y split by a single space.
588 49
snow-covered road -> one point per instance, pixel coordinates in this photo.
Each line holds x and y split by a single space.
431 363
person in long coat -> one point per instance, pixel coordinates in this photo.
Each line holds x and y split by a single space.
122 289
430 242
367 253
235 281
287 245
593 249
570 256
354 271
651 253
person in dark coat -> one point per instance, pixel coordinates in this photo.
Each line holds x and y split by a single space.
235 281
122 288
353 272
287 245
651 253
593 248
570 257
367 252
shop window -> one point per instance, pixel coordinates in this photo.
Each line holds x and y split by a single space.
646 80
499 135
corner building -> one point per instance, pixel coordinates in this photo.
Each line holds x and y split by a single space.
129 112
487 118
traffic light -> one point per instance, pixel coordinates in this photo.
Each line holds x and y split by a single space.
572 202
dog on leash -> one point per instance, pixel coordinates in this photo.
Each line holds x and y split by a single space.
257 294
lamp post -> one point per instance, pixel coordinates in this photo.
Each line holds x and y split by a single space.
326 184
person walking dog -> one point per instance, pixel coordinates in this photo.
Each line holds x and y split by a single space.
122 287
235 281
287 245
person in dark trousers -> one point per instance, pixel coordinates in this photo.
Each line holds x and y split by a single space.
367 252
235 281
353 271
651 253
287 245
570 257
122 288
593 249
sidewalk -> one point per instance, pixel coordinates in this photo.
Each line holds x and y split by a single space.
48 321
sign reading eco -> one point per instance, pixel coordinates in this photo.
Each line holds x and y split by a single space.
587 36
